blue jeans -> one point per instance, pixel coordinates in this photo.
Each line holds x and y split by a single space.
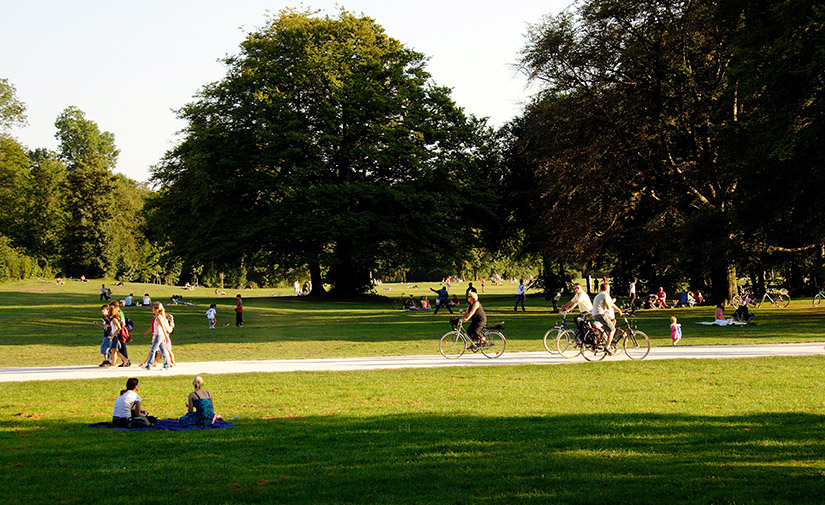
158 341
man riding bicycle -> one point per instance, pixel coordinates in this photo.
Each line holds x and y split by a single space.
475 313
585 306
602 303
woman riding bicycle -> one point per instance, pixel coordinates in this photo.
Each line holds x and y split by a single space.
475 313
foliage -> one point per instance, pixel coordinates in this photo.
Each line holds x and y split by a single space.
12 110
640 154
324 146
14 265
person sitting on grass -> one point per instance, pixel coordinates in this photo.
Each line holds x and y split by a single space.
425 303
127 412
201 406
719 316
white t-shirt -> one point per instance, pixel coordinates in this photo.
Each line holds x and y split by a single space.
210 314
124 404
583 300
520 290
632 288
601 303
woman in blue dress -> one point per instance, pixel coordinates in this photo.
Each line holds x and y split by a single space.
200 405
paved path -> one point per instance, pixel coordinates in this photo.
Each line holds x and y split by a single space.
394 362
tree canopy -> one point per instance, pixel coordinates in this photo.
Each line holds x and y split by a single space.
325 145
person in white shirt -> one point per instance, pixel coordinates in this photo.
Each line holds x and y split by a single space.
602 303
520 296
127 404
632 294
211 315
582 300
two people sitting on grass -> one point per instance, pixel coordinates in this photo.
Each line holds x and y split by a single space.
128 411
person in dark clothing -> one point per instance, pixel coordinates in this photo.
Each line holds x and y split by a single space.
469 289
443 299
475 314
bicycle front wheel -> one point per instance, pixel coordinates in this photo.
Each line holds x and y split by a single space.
550 340
817 300
782 301
496 342
636 345
567 345
451 345
736 301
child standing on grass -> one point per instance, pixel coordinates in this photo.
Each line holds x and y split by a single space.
105 324
238 311
211 315
675 331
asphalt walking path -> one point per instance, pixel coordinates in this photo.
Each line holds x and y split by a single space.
396 362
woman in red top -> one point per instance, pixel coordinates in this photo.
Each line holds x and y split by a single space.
238 311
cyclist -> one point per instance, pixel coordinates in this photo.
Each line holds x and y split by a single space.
602 304
475 313
585 306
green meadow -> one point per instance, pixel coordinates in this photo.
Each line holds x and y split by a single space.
683 431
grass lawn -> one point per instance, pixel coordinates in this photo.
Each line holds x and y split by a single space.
43 324
683 431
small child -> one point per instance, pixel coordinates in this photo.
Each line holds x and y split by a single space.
210 316
675 331
106 325
239 311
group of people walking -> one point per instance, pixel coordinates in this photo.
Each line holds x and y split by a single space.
117 333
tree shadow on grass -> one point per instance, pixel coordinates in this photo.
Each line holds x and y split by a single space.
617 458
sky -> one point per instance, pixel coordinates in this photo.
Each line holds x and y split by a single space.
129 65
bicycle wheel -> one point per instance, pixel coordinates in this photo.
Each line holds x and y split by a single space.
567 345
496 342
550 340
782 301
817 300
451 345
591 351
736 301
636 345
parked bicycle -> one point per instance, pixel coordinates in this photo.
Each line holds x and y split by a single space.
746 298
405 302
453 344
563 339
635 343
818 298
779 299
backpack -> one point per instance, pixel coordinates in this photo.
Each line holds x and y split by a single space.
129 324
171 320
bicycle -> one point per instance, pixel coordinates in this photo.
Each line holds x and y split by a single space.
779 299
818 298
453 344
405 302
562 339
744 299
635 343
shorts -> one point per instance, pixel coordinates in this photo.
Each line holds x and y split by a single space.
105 345
609 323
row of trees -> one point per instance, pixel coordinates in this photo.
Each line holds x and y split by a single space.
674 141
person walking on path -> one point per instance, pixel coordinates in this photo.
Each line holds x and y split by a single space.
520 296
160 331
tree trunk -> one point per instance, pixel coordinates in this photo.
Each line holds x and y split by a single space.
723 284
316 280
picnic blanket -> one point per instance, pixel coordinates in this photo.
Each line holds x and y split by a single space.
167 424
732 323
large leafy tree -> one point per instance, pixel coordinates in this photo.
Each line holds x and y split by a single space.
642 145
325 145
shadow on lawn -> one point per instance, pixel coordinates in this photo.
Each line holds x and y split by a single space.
617 458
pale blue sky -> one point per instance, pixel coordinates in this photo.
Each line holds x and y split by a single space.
127 65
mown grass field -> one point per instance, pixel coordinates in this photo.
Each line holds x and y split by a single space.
42 324
683 431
